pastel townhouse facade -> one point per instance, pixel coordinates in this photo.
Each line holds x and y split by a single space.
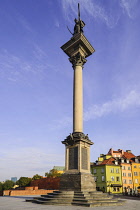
135 162
107 174
117 171
125 161
127 180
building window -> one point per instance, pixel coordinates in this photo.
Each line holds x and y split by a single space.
136 181
114 189
129 174
95 178
136 160
112 178
139 166
123 167
112 170
129 168
124 181
94 171
127 161
124 174
117 170
135 173
102 170
117 179
130 181
122 160
135 166
103 178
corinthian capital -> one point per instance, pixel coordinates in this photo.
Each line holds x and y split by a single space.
77 60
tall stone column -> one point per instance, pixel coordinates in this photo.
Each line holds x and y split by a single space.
77 185
77 175
78 62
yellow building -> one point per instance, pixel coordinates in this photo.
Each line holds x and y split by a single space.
135 162
107 174
60 169
122 173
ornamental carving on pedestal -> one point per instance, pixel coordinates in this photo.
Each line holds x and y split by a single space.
75 137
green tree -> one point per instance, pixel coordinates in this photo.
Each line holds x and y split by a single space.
53 173
24 181
8 184
1 186
36 177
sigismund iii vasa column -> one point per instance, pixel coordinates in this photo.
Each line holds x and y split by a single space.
77 185
77 175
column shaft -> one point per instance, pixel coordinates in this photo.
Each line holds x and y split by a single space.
78 100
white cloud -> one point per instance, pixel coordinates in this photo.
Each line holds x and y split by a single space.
109 15
61 123
129 6
114 106
24 23
57 24
38 52
92 8
26 162
17 68
132 100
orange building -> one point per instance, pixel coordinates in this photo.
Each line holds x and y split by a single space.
127 180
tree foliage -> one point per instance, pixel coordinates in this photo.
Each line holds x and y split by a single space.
8 184
53 173
24 181
1 186
36 177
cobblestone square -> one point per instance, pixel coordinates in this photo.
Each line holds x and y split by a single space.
18 203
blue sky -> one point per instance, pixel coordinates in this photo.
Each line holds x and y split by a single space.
36 81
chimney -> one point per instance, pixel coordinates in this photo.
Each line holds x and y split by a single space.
128 150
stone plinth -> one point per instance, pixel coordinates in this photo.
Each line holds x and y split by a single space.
77 182
77 153
77 176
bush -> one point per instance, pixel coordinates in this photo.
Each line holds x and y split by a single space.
1 186
36 177
24 181
8 184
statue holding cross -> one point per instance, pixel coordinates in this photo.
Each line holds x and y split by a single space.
79 24
78 28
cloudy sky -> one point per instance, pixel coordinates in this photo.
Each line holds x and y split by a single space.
36 81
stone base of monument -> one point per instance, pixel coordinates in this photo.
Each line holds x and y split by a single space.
77 189
77 182
77 198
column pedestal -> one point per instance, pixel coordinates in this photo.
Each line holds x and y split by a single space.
77 176
77 182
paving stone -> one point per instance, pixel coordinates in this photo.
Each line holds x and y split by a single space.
18 203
